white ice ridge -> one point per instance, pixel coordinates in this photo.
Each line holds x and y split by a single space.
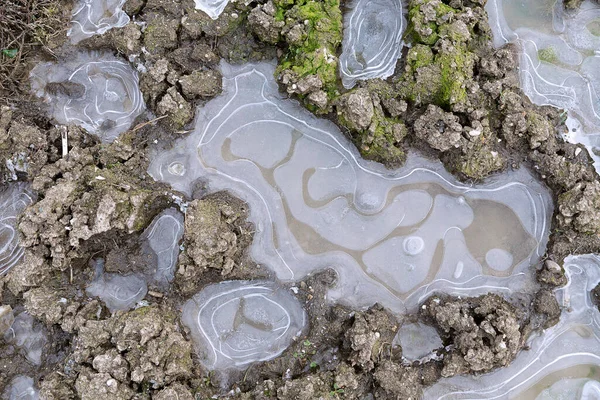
570 349
372 40
14 198
161 242
96 91
559 60
236 323
95 17
392 236
212 8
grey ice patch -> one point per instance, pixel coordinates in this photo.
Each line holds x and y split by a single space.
418 341
95 17
28 336
372 40
21 388
559 60
161 241
394 237
96 91
212 8
118 292
236 323
14 199
568 349
572 389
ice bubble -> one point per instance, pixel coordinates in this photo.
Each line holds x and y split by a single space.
372 42
236 323
28 336
213 8
161 242
95 17
392 236
96 91
21 388
561 362
14 198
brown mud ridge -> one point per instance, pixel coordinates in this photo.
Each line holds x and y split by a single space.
146 353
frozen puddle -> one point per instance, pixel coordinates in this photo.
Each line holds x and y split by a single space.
161 243
98 92
95 17
14 199
118 292
21 388
393 236
236 323
559 61
563 359
372 40
212 8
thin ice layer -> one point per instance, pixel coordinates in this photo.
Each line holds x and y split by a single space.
161 242
393 236
372 40
95 17
417 341
96 91
569 349
118 292
21 388
14 199
559 60
28 336
213 8
236 323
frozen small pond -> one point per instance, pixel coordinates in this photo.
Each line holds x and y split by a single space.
559 60
95 17
14 198
393 236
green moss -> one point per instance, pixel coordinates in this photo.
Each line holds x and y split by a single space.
479 162
315 55
421 31
456 68
419 56
548 55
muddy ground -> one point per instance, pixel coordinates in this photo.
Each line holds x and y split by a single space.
451 77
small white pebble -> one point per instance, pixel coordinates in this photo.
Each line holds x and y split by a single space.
577 151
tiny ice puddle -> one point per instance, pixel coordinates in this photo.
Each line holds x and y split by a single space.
372 41
95 17
21 387
563 362
559 60
212 8
393 237
96 91
14 199
236 323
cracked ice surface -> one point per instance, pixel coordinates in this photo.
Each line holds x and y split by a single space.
118 292
21 388
14 198
372 40
161 242
95 17
567 352
394 237
213 8
559 61
98 92
235 323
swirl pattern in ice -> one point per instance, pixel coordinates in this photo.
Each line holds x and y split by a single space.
393 236
14 198
212 8
559 61
161 242
95 17
98 92
21 388
236 323
569 349
372 40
